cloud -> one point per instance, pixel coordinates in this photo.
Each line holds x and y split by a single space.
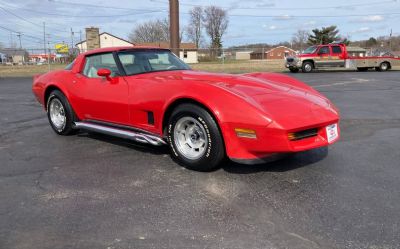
283 18
265 5
375 18
271 27
361 30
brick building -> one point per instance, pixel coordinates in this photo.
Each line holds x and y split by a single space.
277 53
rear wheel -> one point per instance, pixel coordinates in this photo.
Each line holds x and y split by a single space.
60 114
384 66
194 138
307 67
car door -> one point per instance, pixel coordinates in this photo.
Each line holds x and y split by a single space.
337 56
99 98
323 57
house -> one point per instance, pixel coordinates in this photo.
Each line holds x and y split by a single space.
243 55
188 51
104 40
356 51
14 55
277 53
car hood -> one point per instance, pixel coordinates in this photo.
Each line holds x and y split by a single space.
276 97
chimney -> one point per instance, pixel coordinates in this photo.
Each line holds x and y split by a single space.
92 38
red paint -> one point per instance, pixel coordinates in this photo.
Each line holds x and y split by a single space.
271 104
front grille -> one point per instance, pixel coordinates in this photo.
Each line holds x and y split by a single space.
290 59
294 136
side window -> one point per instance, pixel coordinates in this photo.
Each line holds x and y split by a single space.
324 50
336 50
95 62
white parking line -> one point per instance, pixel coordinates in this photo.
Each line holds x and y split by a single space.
353 81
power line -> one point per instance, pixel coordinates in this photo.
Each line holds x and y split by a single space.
24 19
317 16
98 6
287 8
88 16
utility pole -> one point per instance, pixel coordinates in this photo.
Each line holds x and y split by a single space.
19 36
174 26
44 37
72 41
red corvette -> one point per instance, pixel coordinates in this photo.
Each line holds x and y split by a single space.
150 96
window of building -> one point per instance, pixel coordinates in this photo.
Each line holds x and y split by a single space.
185 54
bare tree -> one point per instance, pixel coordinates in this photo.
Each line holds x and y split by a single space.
151 31
299 39
195 25
215 22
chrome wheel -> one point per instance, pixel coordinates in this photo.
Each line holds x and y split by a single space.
308 67
57 113
384 66
190 138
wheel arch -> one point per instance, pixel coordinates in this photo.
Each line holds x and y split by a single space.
309 60
47 92
186 100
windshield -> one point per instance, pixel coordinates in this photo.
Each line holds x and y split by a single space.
310 50
150 60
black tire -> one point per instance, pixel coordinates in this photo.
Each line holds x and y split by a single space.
384 66
307 67
362 69
294 69
70 118
214 149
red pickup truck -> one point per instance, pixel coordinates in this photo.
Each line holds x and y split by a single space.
335 55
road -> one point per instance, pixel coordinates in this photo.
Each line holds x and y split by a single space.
93 191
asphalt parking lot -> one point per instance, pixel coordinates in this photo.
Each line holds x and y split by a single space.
93 191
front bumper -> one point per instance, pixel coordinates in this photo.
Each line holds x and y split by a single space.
293 63
272 142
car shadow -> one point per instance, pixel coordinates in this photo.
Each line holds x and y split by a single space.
287 163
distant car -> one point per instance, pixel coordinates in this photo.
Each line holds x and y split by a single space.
336 55
151 96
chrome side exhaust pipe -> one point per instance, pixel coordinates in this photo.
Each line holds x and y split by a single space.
132 135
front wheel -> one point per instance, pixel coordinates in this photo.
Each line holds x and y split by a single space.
60 113
307 67
194 138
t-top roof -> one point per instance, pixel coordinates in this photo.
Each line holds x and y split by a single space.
112 49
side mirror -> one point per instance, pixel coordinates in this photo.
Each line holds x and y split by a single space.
104 72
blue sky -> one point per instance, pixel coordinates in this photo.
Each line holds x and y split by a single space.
253 21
